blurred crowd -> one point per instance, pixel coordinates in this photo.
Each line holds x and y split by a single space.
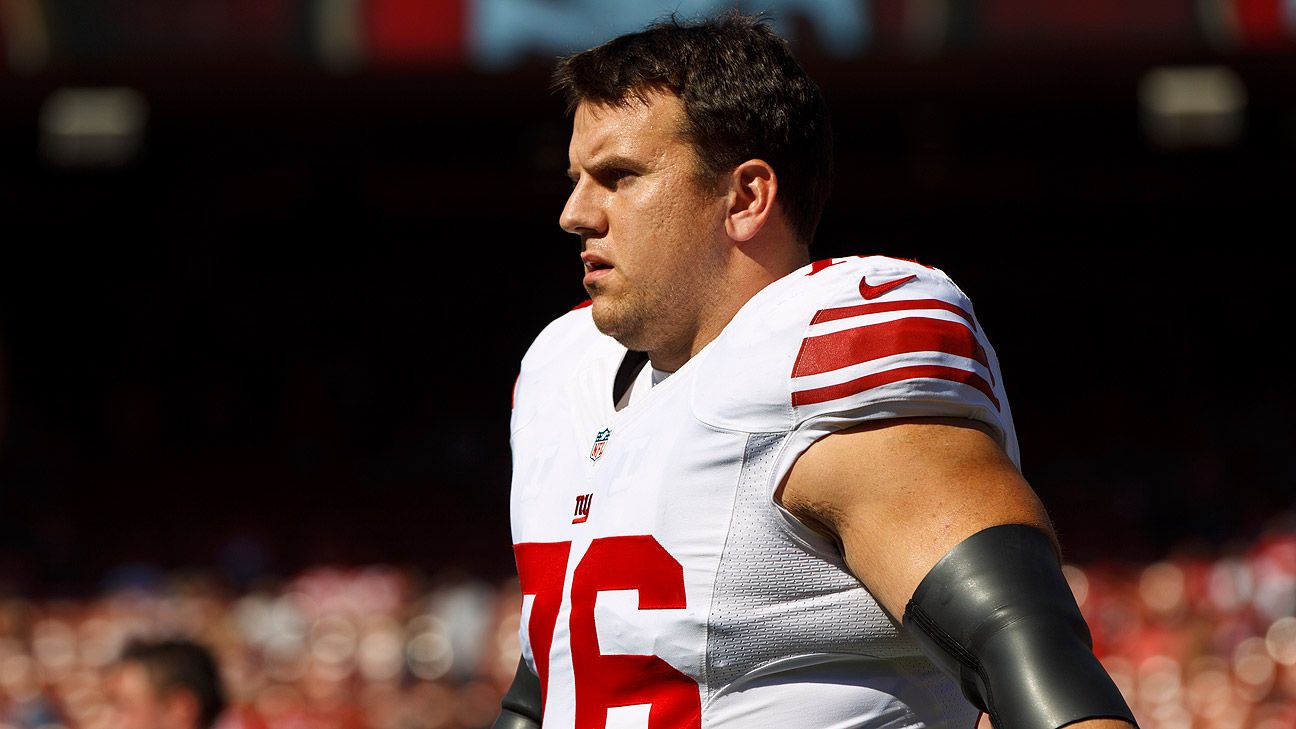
1195 641
1200 641
332 648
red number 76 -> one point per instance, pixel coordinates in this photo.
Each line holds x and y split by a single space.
603 681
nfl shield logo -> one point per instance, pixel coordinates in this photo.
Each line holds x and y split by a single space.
600 442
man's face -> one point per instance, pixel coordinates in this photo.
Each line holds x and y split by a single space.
649 226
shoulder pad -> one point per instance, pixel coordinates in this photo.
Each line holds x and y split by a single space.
850 340
555 356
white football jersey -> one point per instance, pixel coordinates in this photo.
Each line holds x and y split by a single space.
664 588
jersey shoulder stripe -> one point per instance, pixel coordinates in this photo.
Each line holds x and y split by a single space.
826 352
918 341
887 377
847 312
853 339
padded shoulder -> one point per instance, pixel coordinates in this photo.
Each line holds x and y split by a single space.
554 357
850 340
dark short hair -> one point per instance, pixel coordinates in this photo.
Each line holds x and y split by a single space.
184 665
743 93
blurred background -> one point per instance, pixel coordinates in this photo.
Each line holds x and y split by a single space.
267 268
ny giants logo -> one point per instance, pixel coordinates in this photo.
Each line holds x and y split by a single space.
600 442
582 508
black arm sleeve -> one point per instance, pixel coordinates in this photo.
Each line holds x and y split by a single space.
996 615
521 707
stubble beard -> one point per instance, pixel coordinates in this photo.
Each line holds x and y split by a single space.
626 318
656 317
648 317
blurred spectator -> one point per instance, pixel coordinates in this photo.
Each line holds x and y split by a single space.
171 684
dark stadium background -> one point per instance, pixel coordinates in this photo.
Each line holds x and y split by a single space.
286 333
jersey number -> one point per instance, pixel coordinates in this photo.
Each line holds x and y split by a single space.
603 681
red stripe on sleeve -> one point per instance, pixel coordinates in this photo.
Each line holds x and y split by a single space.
868 382
829 352
583 304
884 306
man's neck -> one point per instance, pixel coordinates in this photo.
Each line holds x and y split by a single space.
750 278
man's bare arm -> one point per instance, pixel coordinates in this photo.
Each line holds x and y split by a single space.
900 495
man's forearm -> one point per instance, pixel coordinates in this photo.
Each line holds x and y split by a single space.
997 616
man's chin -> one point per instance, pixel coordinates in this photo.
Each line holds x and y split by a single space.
607 323
616 325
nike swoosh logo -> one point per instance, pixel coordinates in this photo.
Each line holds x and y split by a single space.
872 292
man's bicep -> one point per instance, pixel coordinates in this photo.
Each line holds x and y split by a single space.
898 495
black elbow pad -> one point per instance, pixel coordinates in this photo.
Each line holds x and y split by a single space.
996 614
522 706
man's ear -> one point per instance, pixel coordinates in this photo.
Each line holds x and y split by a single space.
753 186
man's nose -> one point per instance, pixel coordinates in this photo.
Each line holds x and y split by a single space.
582 215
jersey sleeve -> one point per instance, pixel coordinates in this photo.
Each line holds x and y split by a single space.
895 339
852 340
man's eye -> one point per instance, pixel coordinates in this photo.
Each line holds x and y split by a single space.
618 177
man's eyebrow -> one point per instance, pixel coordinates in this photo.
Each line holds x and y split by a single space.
608 163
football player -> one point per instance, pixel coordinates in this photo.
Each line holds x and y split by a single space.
752 490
